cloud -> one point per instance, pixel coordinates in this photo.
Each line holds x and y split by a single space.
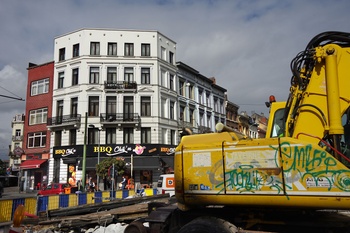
12 88
246 44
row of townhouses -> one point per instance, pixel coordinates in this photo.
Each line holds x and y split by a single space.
114 93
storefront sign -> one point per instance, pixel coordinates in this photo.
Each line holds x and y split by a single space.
114 150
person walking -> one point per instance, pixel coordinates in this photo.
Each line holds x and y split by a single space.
123 182
91 185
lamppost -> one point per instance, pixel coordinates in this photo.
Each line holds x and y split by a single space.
98 152
84 154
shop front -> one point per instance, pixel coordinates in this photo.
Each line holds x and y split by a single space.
33 172
144 162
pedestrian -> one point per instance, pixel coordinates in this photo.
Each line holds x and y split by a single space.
91 185
79 185
123 183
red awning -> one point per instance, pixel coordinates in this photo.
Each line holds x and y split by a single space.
32 163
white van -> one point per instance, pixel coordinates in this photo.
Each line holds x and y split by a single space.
166 184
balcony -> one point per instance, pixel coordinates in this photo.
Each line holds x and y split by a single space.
17 138
120 86
204 129
64 120
120 119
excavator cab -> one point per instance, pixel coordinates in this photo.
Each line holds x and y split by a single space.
345 139
276 124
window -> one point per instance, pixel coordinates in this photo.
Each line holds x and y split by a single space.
74 107
111 135
164 136
209 120
192 116
58 138
112 49
129 49
146 135
190 92
145 76
111 106
40 87
94 75
128 134
145 50
216 107
93 135
129 74
95 48
72 137
182 113
128 108
181 88
75 76
145 106
162 53
171 57
37 139
111 74
200 96
163 78
171 82
18 132
76 50
59 111
38 116
93 106
208 99
172 110
60 80
62 54
163 107
172 137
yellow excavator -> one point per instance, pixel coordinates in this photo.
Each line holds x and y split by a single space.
297 179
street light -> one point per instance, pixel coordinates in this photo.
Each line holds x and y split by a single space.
98 153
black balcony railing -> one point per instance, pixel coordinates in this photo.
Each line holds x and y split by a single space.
65 119
121 85
118 118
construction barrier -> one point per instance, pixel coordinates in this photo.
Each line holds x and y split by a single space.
35 205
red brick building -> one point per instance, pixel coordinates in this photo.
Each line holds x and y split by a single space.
36 143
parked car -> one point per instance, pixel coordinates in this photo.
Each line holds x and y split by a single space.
55 188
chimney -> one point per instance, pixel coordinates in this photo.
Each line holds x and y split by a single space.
213 79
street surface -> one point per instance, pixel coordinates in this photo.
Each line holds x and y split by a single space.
13 192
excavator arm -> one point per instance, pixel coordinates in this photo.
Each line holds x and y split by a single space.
318 103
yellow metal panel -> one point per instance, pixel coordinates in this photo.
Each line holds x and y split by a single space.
53 202
6 210
30 205
105 196
72 200
131 192
149 192
119 194
89 198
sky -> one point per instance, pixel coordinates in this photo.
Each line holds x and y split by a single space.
247 45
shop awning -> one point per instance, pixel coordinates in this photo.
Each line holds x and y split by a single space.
32 163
